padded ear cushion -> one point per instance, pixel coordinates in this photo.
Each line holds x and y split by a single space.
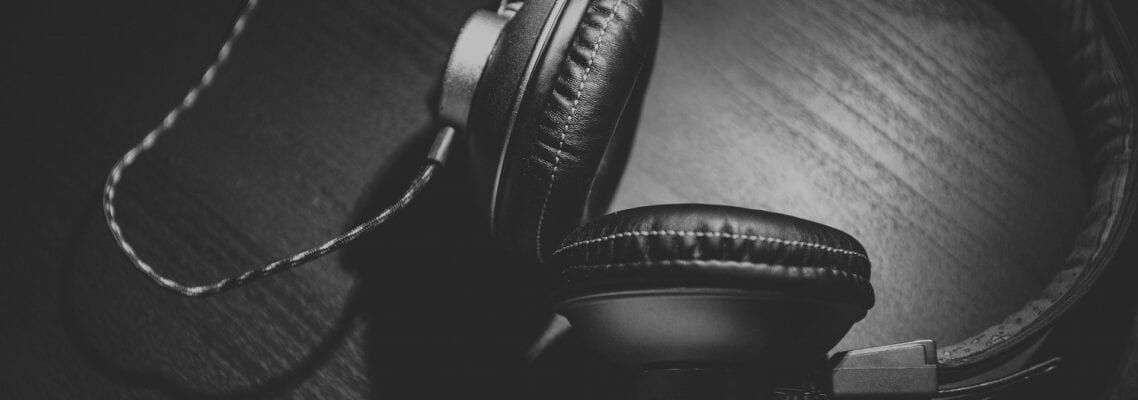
692 245
555 154
503 80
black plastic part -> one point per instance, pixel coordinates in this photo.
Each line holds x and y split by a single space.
643 329
898 370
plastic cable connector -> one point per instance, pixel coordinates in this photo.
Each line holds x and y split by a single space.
441 148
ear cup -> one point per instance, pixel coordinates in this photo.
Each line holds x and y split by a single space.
566 123
700 285
691 245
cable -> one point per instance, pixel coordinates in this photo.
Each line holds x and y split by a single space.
436 157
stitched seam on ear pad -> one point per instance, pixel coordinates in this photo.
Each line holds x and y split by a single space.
825 283
569 119
790 270
728 235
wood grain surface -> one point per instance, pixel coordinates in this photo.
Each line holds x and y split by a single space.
926 129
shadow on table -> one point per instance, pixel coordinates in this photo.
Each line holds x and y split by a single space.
448 312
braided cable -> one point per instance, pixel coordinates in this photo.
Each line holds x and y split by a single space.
435 159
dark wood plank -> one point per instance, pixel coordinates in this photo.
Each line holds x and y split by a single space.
925 129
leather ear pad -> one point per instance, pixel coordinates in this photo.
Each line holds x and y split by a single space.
693 245
554 155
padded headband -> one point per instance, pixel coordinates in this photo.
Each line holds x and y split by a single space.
1093 65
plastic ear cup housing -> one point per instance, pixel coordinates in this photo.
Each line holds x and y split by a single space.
710 290
466 63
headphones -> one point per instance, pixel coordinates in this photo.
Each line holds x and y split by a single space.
711 301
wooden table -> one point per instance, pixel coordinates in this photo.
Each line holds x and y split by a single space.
925 129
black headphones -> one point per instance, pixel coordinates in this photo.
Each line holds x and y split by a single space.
709 300
705 301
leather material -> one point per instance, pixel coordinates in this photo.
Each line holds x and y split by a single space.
554 157
692 245
493 98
